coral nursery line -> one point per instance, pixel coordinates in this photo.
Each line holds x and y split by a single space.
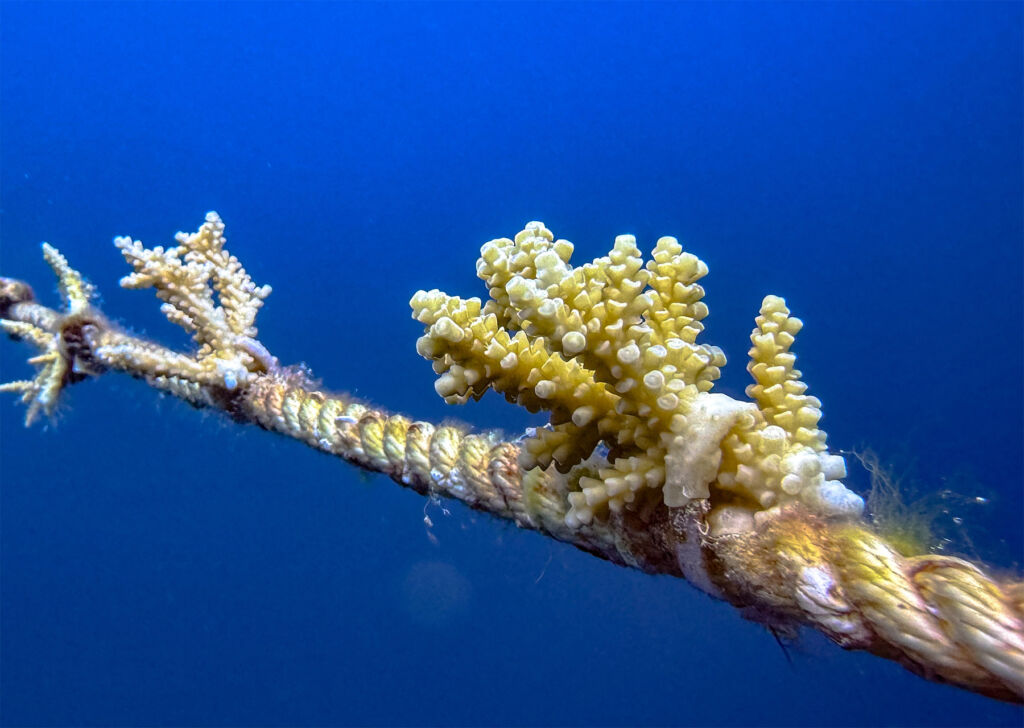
641 463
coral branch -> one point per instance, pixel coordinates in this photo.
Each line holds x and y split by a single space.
56 336
187 278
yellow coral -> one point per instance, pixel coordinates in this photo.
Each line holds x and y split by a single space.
609 349
74 290
784 457
54 363
40 393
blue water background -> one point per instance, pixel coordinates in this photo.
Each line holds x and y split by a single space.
162 566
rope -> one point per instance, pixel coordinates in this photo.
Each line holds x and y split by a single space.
943 615
939 616
476 469
481 470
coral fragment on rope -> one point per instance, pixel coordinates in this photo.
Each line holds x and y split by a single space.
610 351
207 292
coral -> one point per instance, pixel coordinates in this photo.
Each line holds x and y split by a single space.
40 393
54 363
205 290
187 278
609 350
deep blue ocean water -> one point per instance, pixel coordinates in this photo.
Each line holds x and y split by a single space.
161 566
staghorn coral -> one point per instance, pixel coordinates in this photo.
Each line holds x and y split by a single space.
207 292
609 349
56 363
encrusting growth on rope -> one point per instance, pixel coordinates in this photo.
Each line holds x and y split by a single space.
640 463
